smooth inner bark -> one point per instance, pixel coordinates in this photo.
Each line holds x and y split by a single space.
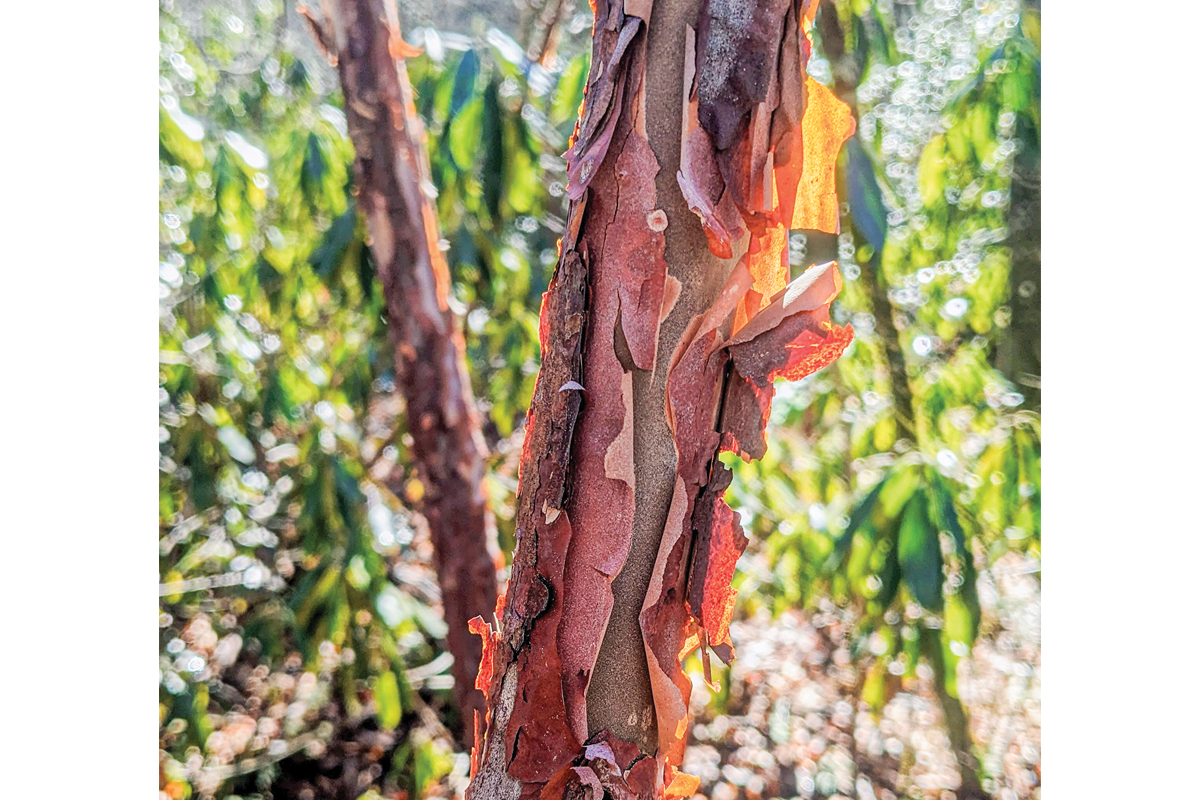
619 695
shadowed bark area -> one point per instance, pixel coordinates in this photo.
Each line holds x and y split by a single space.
392 175
667 321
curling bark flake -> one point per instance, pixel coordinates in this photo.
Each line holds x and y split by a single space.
392 174
700 143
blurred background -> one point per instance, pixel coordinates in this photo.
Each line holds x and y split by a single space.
889 603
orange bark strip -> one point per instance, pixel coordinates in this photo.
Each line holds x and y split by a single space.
814 290
810 352
483 680
828 123
682 785
477 626
768 264
725 547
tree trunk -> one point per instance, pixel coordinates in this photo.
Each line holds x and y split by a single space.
392 173
666 322
846 77
1019 354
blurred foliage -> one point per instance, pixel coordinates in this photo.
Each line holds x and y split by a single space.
297 605
299 619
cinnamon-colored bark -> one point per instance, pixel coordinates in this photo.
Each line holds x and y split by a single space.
668 319
392 174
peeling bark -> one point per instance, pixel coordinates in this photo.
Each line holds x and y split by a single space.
668 320
392 172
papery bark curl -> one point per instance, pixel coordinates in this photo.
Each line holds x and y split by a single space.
652 349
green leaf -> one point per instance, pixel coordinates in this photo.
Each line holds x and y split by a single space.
203 728
874 688
889 577
313 170
338 237
947 516
858 564
958 142
936 647
306 603
569 94
431 763
175 144
866 200
950 661
338 616
920 553
931 171
522 178
911 636
963 611
387 700
492 134
982 130
464 82
1031 27
961 622
900 488
861 512
356 573
464 134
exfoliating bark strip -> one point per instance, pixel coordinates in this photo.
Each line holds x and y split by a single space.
755 158
575 506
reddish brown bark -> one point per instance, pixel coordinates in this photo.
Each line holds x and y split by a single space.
668 319
392 170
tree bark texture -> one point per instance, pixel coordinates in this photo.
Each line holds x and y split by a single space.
392 173
670 314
